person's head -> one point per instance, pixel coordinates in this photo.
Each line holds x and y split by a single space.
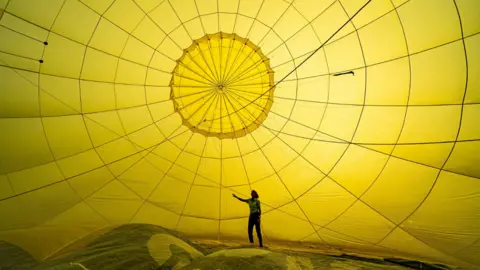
254 194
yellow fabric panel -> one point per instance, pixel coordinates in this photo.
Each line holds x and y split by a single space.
121 165
467 10
344 54
188 161
115 202
388 83
299 177
310 9
99 6
324 155
46 236
108 38
432 154
289 24
134 119
387 121
149 111
296 143
383 39
185 9
204 228
398 3
470 130
170 194
464 159
63 131
227 22
473 94
348 90
233 172
170 49
137 51
398 178
115 150
21 181
210 23
33 205
194 28
23 26
233 228
441 26
429 82
165 17
68 221
87 183
6 189
402 241
42 12
82 162
325 201
63 57
18 44
181 37
21 63
20 138
148 33
431 124
167 126
210 204
274 193
210 168
182 173
103 127
358 168
130 73
257 166
453 230
147 5
167 150
78 27
288 214
315 66
99 66
360 215
470 254
151 214
115 12
279 154
331 19
92 100
59 96
346 242
374 10
230 149
161 62
19 86
347 115
233 209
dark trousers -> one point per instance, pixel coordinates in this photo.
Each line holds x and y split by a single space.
254 220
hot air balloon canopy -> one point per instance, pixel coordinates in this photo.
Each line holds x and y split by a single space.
356 121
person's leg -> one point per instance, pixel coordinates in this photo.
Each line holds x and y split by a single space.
251 222
257 228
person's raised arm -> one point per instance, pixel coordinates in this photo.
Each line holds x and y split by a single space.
240 199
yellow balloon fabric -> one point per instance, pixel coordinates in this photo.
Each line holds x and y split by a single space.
356 121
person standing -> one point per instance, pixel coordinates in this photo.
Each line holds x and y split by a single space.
254 218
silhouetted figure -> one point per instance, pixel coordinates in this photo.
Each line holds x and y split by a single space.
254 219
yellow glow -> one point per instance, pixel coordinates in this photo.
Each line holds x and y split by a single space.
360 132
